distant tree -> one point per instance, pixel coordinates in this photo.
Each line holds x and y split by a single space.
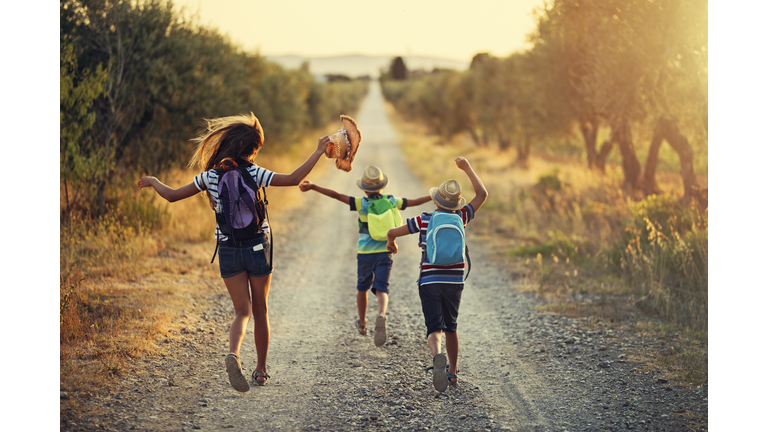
478 60
337 78
397 69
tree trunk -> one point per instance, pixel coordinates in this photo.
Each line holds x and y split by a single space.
100 186
473 135
484 138
629 162
649 184
684 151
504 141
69 209
523 151
602 155
589 132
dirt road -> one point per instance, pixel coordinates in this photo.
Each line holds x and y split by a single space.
519 370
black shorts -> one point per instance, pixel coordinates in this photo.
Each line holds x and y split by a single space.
440 305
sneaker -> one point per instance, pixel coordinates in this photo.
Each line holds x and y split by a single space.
440 373
380 331
235 372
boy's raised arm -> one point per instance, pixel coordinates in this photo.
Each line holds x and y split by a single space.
419 200
308 185
481 194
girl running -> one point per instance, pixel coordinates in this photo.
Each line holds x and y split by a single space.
245 265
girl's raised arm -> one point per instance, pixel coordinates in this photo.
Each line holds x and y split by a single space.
300 173
167 192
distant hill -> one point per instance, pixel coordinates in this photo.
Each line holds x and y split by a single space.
355 65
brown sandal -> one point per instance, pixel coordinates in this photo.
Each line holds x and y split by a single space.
256 374
363 330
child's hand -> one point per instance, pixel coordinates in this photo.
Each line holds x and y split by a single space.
462 163
322 143
305 185
392 246
146 181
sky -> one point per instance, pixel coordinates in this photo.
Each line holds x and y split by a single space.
445 28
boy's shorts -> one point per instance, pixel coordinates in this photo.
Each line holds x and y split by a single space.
252 257
440 305
374 269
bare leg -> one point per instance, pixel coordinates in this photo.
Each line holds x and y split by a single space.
362 306
261 331
452 349
434 340
241 299
383 301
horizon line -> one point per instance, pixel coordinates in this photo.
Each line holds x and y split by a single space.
364 55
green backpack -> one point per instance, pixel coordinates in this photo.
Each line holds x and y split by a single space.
382 216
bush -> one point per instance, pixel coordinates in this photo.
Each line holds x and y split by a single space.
557 245
664 257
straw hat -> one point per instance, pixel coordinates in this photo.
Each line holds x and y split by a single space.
350 129
373 180
448 195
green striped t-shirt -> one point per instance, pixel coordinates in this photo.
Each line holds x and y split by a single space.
366 244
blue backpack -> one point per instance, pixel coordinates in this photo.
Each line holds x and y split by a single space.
445 240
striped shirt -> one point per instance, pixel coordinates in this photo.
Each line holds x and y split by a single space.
429 274
366 244
209 181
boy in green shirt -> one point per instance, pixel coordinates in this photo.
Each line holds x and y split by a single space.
374 262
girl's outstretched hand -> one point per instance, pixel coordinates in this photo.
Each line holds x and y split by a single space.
146 181
322 143
305 185
462 163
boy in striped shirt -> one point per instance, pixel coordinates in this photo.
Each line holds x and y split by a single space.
374 262
440 287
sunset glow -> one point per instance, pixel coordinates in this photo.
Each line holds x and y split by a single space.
449 29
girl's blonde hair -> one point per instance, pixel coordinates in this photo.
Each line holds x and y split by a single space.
237 137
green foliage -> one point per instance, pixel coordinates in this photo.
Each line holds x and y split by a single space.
550 181
138 80
78 89
558 245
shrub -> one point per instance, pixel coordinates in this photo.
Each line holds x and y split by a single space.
664 257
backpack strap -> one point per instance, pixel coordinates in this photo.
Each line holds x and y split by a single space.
469 261
266 214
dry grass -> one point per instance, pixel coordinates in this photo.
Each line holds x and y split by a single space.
126 279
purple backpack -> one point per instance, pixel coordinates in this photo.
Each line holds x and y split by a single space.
241 210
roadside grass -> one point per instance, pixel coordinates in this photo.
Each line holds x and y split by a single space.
127 278
577 240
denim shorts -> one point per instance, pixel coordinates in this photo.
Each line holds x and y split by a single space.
374 269
440 305
250 256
